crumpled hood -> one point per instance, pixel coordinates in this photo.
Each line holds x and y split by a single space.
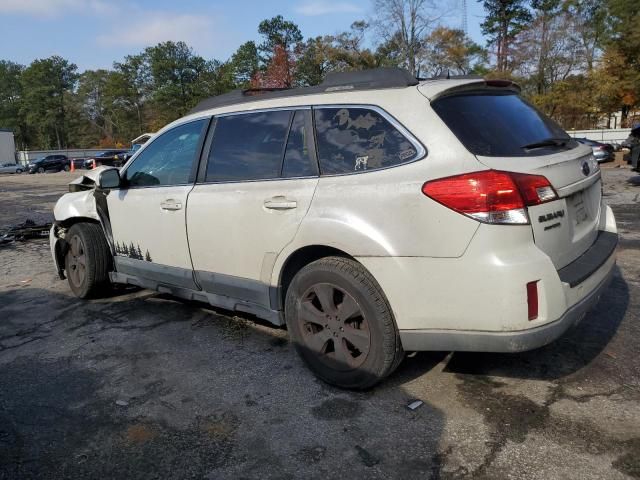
90 177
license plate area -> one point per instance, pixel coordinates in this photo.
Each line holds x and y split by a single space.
578 208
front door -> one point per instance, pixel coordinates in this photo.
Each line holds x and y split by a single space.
148 214
260 179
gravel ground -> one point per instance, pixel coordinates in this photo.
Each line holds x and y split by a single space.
143 386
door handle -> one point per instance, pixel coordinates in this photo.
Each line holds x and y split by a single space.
170 204
280 203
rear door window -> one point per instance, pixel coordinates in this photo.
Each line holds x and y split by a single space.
355 139
500 125
248 146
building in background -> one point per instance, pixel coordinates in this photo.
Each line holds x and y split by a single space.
7 146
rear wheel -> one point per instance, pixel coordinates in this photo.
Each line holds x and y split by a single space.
341 323
88 260
19 170
66 168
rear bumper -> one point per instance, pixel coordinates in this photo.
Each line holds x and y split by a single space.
518 341
478 302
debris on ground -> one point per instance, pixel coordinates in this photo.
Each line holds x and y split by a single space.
25 231
122 403
415 404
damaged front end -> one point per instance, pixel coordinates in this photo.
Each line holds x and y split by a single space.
79 205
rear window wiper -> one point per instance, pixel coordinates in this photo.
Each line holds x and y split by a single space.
548 142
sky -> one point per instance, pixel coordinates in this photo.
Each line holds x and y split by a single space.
95 33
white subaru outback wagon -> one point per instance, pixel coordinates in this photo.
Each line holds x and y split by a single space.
373 214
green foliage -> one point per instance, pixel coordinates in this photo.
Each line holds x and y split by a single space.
451 51
504 21
244 64
10 101
45 85
277 31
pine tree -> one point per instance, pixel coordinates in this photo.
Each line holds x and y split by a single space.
147 257
504 21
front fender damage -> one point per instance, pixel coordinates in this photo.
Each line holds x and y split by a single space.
83 203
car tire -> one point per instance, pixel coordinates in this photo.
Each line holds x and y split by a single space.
19 170
341 324
87 260
40 170
66 168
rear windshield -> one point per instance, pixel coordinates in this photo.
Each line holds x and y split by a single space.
501 125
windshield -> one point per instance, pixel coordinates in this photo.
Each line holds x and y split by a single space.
501 125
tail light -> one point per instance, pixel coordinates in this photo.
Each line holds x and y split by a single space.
492 196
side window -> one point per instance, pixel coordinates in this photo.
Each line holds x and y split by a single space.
358 139
248 146
297 160
168 160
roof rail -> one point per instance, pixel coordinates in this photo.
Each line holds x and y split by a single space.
384 77
448 76
258 91
376 78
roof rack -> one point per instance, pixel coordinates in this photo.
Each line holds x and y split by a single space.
376 78
448 76
385 77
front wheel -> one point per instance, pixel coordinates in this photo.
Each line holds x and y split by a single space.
41 170
341 324
87 260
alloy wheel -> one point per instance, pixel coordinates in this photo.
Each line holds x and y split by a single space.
77 268
334 327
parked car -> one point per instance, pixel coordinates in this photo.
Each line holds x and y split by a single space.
114 158
132 151
372 215
78 163
603 152
11 168
633 144
54 163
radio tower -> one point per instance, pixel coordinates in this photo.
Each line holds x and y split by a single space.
465 27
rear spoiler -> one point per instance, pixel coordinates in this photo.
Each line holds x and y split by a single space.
455 87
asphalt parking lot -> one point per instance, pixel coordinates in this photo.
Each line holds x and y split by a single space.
143 386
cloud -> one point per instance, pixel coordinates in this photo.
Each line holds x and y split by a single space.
53 8
195 30
315 8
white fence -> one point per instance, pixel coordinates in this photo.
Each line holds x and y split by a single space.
616 135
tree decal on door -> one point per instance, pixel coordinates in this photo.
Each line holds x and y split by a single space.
132 251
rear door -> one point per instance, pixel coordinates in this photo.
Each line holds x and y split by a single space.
507 133
258 184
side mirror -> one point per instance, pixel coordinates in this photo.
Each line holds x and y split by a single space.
109 179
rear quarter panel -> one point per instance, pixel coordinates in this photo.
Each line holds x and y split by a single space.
384 212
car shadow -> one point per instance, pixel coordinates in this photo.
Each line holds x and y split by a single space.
174 388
